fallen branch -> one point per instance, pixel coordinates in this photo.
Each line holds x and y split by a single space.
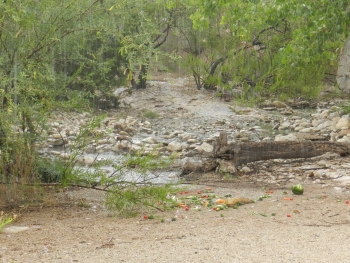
243 153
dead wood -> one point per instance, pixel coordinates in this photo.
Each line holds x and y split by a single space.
243 153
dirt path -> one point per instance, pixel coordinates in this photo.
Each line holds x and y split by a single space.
317 231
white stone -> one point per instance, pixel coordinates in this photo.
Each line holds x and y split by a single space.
245 169
205 148
290 137
307 130
343 123
324 114
345 139
174 146
89 160
285 125
279 104
150 140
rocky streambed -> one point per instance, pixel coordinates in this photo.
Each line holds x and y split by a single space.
187 121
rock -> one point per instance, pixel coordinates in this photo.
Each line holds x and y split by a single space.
284 126
307 130
64 156
184 146
205 148
245 169
102 141
123 145
345 139
334 115
124 133
88 160
121 138
316 123
325 124
186 136
90 149
279 104
149 131
174 146
149 140
289 137
134 148
269 108
120 91
59 142
324 114
343 123
299 104
56 136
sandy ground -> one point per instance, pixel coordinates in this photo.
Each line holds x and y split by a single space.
316 231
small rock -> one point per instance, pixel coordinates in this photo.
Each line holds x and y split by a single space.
174 146
150 140
191 141
284 126
279 104
14 229
246 169
205 148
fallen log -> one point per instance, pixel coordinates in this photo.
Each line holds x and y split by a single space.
243 153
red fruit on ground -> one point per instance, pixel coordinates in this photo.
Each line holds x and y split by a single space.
289 215
145 217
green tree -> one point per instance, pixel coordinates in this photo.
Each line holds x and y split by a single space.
289 46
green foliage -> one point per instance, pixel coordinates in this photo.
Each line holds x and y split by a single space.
5 219
49 170
346 108
278 47
150 114
128 200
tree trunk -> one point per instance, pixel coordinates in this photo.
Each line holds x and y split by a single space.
243 153
140 81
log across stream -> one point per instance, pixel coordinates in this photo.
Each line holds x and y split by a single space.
243 153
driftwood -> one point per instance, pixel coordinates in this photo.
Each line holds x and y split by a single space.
226 157
243 153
